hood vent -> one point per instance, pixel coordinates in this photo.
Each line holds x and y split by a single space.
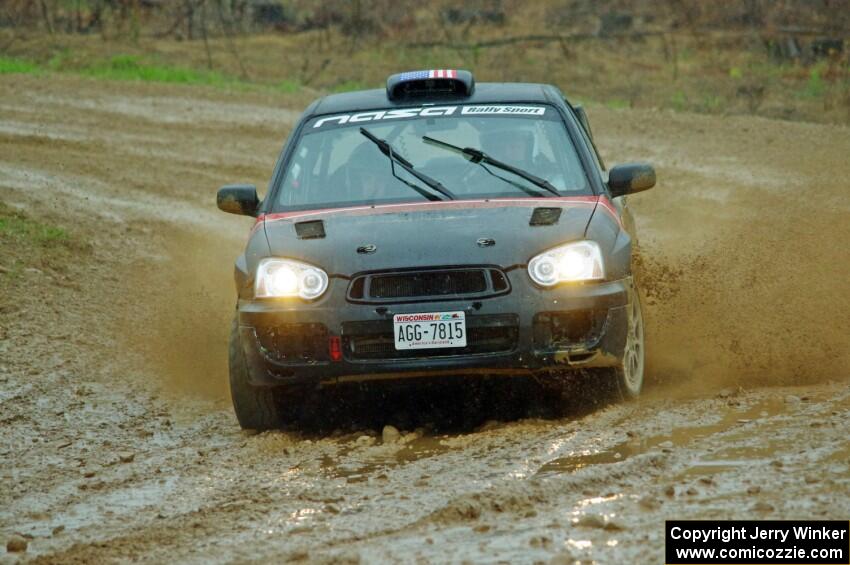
314 229
545 216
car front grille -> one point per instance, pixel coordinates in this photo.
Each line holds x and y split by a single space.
436 283
430 284
374 340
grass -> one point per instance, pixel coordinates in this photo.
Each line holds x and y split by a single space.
135 68
130 67
711 103
18 228
289 86
679 100
349 85
815 85
27 243
11 65
617 103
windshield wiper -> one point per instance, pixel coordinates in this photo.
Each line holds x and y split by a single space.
394 157
480 158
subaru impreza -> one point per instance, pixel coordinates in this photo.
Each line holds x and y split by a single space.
435 228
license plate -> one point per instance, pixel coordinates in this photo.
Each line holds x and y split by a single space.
429 330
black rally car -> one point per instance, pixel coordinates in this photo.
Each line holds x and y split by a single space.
438 227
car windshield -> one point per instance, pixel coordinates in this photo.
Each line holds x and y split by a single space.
335 165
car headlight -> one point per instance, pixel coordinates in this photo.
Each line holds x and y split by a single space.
573 262
278 278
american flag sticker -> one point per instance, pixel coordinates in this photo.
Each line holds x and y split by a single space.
436 73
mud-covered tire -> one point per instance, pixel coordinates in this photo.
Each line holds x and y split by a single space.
256 408
626 380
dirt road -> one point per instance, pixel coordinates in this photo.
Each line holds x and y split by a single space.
118 438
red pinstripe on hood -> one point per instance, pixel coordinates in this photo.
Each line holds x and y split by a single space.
443 205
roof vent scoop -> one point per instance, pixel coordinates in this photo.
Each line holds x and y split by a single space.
447 83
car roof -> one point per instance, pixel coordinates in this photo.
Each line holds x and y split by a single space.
484 93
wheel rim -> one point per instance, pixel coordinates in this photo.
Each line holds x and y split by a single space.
633 356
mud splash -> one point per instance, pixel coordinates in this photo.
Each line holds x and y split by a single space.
185 309
742 262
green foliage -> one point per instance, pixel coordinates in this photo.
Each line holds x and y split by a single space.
736 73
687 54
712 103
679 100
815 85
58 61
9 65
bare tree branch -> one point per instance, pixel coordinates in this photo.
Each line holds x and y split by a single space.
231 45
530 38
204 33
45 14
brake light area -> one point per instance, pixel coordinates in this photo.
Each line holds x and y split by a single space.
335 348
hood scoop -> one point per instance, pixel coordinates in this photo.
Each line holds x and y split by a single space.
545 216
314 229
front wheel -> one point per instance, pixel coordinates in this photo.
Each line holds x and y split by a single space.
628 376
256 408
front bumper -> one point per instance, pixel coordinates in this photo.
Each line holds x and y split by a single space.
527 331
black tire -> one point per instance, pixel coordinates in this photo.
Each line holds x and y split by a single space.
626 380
257 408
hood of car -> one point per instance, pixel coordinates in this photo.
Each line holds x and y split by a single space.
345 241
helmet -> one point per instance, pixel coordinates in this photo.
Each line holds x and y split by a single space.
366 173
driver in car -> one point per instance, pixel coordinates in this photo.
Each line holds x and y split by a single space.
513 146
516 147
367 174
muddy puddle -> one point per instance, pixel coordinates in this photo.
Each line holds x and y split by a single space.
356 463
676 438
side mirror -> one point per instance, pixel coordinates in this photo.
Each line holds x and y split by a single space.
630 178
238 199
